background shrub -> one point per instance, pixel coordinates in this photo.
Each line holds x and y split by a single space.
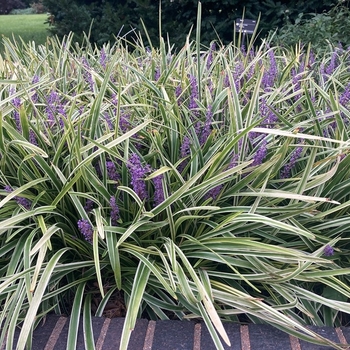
320 29
26 11
6 6
38 7
218 18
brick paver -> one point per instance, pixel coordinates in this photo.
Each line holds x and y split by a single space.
264 337
233 332
326 332
177 335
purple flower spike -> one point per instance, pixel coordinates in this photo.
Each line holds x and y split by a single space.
328 250
86 229
213 193
114 211
238 70
345 96
261 154
103 58
157 74
270 74
17 103
26 203
35 79
89 205
124 122
178 92
55 107
35 95
194 95
138 173
86 74
158 190
112 171
207 126
108 120
233 161
185 150
286 171
185 147
210 56
32 138
332 64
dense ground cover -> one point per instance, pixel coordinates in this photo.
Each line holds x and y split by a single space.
27 27
209 183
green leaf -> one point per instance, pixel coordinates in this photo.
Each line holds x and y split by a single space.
37 298
75 317
137 291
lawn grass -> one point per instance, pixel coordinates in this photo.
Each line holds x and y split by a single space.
26 27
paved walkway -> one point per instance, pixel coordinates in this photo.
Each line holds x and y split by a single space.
178 335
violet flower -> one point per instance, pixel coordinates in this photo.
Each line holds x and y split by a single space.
206 130
312 58
86 74
112 171
328 250
86 229
185 147
158 190
213 193
261 154
108 120
270 118
233 161
35 95
54 106
193 105
332 64
8 189
287 169
98 170
185 150
345 96
124 122
238 70
178 92
89 205
16 101
103 58
114 211
138 173
271 73
226 81
210 55
26 203
32 138
296 82
323 73
157 74
115 102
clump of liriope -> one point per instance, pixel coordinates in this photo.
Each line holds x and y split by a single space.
207 184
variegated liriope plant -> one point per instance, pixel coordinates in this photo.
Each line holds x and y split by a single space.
207 183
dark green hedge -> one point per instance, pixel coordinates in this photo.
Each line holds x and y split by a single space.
322 29
6 6
120 16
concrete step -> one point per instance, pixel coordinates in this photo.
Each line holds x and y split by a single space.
177 335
